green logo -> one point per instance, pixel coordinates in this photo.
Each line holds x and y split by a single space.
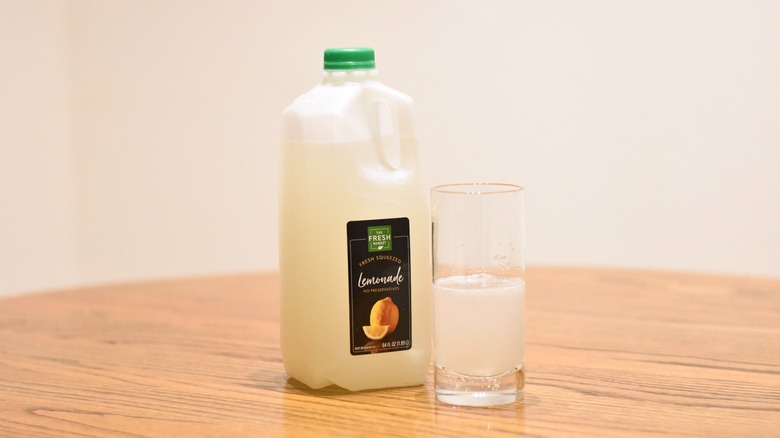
380 238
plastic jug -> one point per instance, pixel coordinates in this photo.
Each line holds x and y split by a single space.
354 233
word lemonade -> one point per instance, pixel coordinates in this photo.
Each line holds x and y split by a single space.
397 279
354 233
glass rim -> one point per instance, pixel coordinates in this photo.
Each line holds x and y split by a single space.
484 188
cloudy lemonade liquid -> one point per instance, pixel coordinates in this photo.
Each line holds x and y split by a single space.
493 346
315 307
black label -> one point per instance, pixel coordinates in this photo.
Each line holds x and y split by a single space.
380 291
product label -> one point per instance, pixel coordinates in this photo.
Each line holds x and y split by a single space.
380 291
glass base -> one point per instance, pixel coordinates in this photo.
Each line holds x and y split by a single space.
463 390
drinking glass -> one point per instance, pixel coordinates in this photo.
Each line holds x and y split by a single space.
478 293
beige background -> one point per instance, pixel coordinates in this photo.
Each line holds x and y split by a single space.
140 138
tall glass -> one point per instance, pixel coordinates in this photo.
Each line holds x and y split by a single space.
478 293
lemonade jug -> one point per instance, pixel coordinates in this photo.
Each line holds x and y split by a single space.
354 233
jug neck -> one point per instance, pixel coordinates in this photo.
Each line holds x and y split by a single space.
343 77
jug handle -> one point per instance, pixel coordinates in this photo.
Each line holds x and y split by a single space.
395 151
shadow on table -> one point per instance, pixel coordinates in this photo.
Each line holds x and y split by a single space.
293 386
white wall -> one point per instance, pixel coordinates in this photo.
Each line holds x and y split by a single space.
646 133
37 203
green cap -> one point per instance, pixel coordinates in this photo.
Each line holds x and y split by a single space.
353 58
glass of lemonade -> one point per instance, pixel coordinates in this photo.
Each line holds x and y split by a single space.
478 293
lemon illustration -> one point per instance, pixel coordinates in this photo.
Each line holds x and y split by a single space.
375 332
384 312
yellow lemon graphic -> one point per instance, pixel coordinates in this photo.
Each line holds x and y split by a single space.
375 332
384 312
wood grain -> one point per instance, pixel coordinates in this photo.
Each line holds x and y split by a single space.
609 353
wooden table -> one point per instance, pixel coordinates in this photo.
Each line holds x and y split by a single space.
609 353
